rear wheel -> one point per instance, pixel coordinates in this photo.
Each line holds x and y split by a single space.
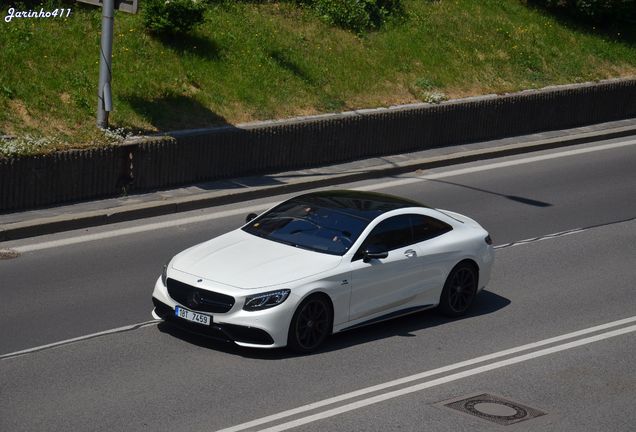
310 325
459 290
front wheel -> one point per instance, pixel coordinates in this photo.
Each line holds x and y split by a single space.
459 290
310 325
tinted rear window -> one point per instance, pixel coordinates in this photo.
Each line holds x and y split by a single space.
425 227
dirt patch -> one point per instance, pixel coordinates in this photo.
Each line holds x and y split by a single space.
59 125
389 94
191 89
36 122
305 111
21 111
472 90
619 71
502 55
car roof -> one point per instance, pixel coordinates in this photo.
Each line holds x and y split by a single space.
364 205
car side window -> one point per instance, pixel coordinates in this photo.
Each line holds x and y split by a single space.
393 233
426 227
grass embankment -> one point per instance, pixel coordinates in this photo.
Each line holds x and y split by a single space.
253 61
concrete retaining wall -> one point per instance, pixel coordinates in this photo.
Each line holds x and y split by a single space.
265 147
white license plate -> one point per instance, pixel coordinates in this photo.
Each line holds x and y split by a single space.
192 316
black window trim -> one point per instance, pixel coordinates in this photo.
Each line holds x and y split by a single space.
359 253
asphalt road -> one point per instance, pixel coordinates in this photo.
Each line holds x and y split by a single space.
157 378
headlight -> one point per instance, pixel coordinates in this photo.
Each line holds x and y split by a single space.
265 300
164 274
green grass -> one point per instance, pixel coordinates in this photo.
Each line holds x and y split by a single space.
254 61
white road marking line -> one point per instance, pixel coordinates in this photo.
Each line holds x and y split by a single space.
562 233
496 165
543 237
80 338
257 208
447 379
139 229
411 378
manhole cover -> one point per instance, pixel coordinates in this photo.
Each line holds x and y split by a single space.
494 408
6 254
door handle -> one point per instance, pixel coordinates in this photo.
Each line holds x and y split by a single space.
410 253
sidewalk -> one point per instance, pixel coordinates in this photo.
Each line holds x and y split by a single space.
45 221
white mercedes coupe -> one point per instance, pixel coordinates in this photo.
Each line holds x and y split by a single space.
322 263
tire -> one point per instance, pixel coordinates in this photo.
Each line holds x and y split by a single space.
310 325
460 290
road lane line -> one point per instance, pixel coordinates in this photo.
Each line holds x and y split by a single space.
418 376
540 238
138 229
561 233
496 165
443 380
257 208
79 339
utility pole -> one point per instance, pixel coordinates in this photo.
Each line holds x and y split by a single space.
104 97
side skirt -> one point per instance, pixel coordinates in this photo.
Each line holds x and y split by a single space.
389 316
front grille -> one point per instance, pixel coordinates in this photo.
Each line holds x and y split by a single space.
199 299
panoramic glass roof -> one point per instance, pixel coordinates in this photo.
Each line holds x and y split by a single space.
365 205
328 222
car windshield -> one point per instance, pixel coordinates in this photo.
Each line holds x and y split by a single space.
309 225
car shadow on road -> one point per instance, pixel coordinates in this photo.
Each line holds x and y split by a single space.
519 199
486 302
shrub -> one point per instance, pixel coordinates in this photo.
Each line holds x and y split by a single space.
356 15
594 10
173 16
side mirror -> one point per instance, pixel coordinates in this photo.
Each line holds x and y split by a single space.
375 251
250 217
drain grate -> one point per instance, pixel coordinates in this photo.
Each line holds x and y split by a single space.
494 408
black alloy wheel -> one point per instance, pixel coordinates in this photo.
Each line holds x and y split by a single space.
459 290
310 325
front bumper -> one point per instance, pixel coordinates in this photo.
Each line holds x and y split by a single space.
260 329
485 269
227 332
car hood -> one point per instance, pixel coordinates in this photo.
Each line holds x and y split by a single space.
246 261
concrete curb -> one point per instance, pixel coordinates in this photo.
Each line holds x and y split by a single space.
66 222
